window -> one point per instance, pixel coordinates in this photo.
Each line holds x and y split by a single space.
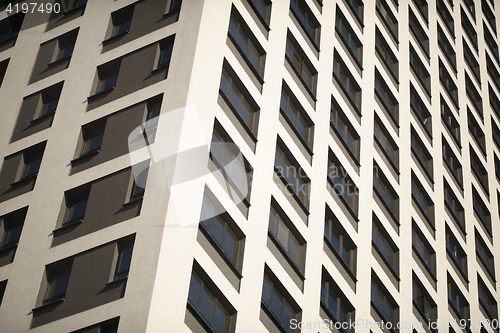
65 46
452 162
385 192
121 21
448 84
384 52
450 121
486 300
476 131
356 7
246 42
307 20
337 306
342 183
479 170
423 249
423 8
387 18
420 71
470 59
469 28
10 27
446 17
389 102
208 304
3 286
384 140
32 162
263 10
492 71
92 137
348 36
165 54
239 99
349 86
423 156
339 240
57 276
454 207
420 110
286 235
446 47
382 302
419 34
107 76
423 301
297 117
473 95
173 5
488 14
290 171
422 199
277 302
383 244
220 228
3 69
494 101
11 228
123 260
495 132
152 119
344 130
457 300
484 255
469 4
72 4
76 205
482 211
456 252
490 41
137 191
302 66
497 167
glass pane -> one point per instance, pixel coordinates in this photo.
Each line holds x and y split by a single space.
221 320
217 231
194 290
77 210
282 234
207 305
230 245
276 303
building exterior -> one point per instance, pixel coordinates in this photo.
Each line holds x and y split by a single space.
353 163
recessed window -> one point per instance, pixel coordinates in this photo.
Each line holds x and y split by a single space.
387 17
173 5
165 54
92 138
456 252
495 132
344 130
11 26
49 102
450 121
470 59
420 110
422 200
486 300
347 83
446 47
339 240
481 211
484 255
263 10
344 186
383 244
3 69
420 71
65 45
123 260
452 162
423 301
384 140
138 185
488 14
490 41
3 286
307 20
458 301
32 162
337 306
76 206
385 192
107 76
476 131
419 33
11 227
348 36
382 301
296 115
446 17
385 96
423 249
469 4
152 119
474 95
57 282
454 207
423 8
301 64
448 83
423 156
357 8
494 101
497 167
492 71
384 52
121 21
469 28
479 170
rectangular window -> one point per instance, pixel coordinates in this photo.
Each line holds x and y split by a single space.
263 10
419 33
497 167
448 83
173 5
107 76
342 183
92 138
123 261
239 99
3 286
476 131
138 182
454 207
57 280
49 101
387 18
422 200
337 306
469 4
339 239
457 299
468 28
446 47
297 117
487 301
164 54
344 130
473 95
423 8
423 301
348 36
384 52
423 249
420 110
494 101
420 71
121 20
488 14
306 19
76 206
479 170
490 41
11 228
456 252
65 46
452 162
32 161
389 102
446 17
347 83
484 255
495 132
423 156
246 43
470 59
356 7
3 69
301 64
385 192
383 244
278 303
450 121
384 140
492 71
382 302
481 210
10 27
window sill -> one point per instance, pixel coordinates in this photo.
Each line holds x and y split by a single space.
422 314
84 156
258 76
237 115
462 273
68 224
110 39
201 320
102 92
419 42
293 194
330 314
161 68
426 130
374 307
344 144
130 202
59 61
117 281
286 255
273 318
387 109
388 27
356 60
356 109
491 274
393 272
339 258
460 226
386 65
427 268
458 314
385 206
74 10
353 214
48 304
24 179
309 91
391 163
8 246
304 143
426 172
45 116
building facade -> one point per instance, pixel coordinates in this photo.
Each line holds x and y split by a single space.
353 163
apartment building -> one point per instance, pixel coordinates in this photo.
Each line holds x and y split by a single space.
249 166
